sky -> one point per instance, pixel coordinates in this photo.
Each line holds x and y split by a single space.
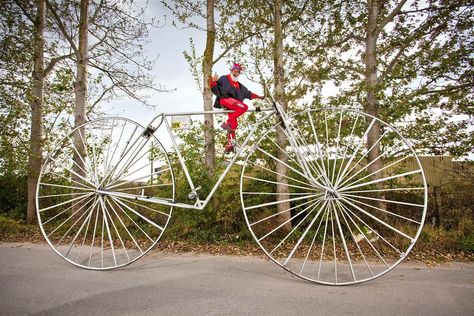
171 70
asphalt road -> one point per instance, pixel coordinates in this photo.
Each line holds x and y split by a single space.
34 280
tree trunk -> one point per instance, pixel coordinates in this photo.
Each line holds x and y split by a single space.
209 144
80 89
35 158
279 74
371 105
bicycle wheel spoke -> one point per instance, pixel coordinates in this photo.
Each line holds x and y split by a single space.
336 148
318 146
282 201
273 193
72 180
118 178
284 152
75 173
114 176
382 200
136 179
85 151
382 210
133 221
74 224
386 190
312 242
287 221
281 183
62 194
334 247
361 158
273 172
139 215
346 250
67 209
106 170
315 167
381 180
362 233
376 219
283 163
93 237
296 227
321 258
354 239
66 186
121 157
60 204
106 160
281 212
124 226
102 240
115 228
370 227
345 151
356 150
305 232
108 233
87 219
71 141
371 174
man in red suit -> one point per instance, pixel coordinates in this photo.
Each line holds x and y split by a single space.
230 95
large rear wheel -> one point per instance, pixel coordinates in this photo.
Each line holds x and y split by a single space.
344 211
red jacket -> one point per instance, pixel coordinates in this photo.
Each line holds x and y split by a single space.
225 87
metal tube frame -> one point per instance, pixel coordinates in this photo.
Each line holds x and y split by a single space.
199 204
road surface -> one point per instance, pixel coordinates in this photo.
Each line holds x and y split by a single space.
34 280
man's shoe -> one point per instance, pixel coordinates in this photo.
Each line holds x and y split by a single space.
227 127
229 148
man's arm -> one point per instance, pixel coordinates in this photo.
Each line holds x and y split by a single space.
248 94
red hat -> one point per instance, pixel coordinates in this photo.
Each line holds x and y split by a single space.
237 66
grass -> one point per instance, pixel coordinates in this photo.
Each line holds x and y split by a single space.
435 245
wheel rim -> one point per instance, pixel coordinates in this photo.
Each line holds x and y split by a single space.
79 212
365 220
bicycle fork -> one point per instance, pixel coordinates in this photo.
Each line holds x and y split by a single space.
299 155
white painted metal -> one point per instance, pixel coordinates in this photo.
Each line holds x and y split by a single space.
361 240
108 197
79 219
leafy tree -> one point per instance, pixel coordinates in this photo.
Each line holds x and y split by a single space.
402 61
220 39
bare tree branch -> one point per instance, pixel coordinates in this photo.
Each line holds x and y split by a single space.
62 27
25 12
390 17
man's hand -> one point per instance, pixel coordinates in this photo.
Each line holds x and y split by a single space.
256 96
215 77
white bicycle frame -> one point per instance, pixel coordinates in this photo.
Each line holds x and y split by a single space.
201 204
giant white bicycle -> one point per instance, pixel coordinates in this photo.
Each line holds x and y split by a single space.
319 200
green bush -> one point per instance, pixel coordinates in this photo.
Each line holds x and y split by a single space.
13 196
466 244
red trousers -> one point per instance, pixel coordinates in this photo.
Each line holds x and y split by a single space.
239 108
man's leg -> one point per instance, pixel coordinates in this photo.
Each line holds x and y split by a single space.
239 108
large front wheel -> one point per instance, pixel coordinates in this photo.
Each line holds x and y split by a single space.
337 197
83 196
